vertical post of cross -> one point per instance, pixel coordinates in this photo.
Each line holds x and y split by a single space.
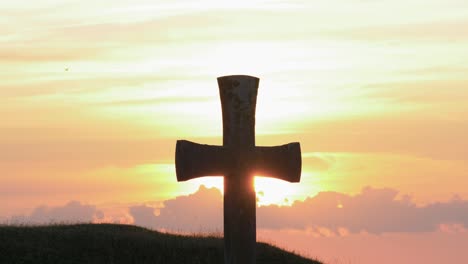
238 99
237 160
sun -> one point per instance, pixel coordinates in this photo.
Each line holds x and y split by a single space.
274 191
269 191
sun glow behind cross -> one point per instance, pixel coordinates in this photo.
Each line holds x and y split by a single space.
269 190
274 191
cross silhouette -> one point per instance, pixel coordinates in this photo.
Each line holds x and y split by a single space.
238 160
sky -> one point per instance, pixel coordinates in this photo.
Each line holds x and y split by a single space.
94 95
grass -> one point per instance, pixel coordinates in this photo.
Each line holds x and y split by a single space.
112 243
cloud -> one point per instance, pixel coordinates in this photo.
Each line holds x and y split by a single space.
330 214
430 31
73 211
326 214
143 215
373 210
438 137
423 92
317 162
198 212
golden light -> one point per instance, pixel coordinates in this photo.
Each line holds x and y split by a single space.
274 191
269 190
209 182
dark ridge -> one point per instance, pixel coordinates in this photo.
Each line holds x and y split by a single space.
112 243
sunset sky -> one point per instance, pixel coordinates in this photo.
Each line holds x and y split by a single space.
94 95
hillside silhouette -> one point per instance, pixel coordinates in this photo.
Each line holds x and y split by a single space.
112 243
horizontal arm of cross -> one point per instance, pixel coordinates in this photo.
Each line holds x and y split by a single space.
281 162
197 160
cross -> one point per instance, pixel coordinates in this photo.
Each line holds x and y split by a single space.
238 160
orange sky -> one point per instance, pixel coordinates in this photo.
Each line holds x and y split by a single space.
94 95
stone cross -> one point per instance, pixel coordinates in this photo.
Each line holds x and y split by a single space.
238 160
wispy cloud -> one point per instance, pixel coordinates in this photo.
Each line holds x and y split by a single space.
72 212
431 31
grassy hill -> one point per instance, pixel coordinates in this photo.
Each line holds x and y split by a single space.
109 243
